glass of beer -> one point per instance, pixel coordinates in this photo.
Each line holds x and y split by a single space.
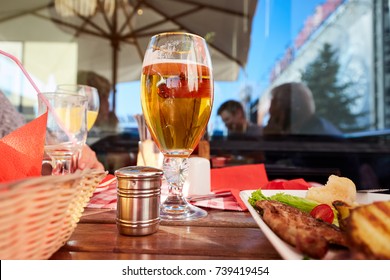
177 94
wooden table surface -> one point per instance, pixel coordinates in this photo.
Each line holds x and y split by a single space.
220 235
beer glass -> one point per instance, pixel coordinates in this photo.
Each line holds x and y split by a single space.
177 96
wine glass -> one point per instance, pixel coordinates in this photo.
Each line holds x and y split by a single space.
177 96
93 100
66 129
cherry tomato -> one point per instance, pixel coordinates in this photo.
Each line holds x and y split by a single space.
323 212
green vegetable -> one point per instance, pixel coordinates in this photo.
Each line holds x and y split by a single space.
301 203
295 201
255 196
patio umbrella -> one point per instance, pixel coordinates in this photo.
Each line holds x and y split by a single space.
112 43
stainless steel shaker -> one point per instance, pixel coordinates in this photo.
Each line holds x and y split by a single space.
138 203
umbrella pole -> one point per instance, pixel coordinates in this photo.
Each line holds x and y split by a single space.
115 48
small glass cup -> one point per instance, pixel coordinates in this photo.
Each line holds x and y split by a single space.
66 129
93 100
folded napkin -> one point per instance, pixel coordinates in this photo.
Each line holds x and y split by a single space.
238 178
22 151
281 184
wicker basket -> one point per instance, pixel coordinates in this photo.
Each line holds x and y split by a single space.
38 215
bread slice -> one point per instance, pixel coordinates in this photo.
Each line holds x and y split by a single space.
369 230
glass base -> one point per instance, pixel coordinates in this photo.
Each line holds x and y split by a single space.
176 207
181 212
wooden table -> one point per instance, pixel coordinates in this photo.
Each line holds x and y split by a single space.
220 235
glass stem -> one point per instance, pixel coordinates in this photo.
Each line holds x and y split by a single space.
63 166
175 171
176 207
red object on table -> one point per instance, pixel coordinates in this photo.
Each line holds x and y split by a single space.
238 178
22 151
228 179
105 195
249 177
294 184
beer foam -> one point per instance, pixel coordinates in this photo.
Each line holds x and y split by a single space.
151 61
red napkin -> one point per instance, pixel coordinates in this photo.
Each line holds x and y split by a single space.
294 184
238 178
22 151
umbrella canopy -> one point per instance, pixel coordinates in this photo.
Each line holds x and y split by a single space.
113 43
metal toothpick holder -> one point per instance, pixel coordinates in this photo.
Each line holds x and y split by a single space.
138 203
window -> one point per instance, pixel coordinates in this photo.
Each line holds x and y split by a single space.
338 49
48 63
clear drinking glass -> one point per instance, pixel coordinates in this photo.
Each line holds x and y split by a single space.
177 96
66 129
93 100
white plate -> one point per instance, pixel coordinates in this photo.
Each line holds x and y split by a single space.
287 251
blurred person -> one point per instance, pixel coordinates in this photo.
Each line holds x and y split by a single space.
292 111
89 160
106 119
11 119
233 115
109 145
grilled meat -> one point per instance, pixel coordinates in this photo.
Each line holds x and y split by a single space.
299 229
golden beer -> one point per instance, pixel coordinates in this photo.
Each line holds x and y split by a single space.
176 101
